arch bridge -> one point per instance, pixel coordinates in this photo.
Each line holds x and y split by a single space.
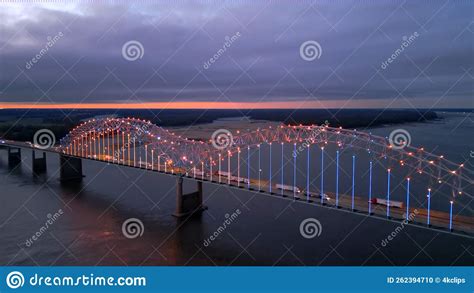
341 169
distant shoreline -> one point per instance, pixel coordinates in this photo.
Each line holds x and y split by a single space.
22 124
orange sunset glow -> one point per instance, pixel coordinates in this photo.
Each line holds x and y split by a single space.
301 104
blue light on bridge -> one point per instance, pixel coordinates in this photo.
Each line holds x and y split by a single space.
210 164
270 172
337 178
388 193
219 171
408 198
322 175
294 170
429 207
370 187
307 173
259 168
228 166
353 181
248 166
238 167
282 148
451 216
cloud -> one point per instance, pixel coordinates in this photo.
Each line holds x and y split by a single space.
263 64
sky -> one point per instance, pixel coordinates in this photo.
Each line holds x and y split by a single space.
237 54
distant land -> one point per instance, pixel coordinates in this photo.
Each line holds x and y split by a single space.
21 124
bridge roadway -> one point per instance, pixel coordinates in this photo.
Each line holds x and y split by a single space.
439 221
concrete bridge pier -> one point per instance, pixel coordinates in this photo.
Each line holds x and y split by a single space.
188 204
14 156
70 168
39 164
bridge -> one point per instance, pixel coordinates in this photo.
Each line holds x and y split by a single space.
345 170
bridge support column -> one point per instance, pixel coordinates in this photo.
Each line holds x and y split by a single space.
14 156
70 168
188 204
39 164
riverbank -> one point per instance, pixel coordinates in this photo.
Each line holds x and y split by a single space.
20 124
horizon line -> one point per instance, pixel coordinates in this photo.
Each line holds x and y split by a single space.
366 104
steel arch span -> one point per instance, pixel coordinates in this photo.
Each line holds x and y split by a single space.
222 159
119 136
114 139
